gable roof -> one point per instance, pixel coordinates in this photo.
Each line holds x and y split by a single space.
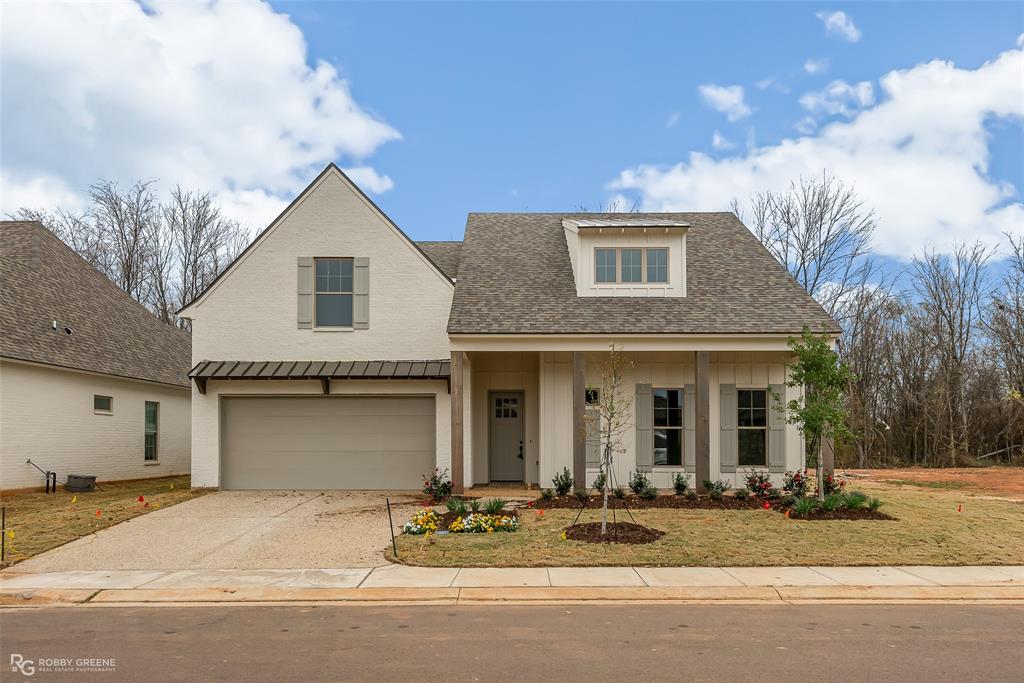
112 334
329 168
444 254
515 277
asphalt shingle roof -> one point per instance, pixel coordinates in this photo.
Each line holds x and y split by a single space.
45 280
515 277
445 255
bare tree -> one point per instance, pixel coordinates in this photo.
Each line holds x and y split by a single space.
202 242
163 255
613 411
127 220
820 231
951 290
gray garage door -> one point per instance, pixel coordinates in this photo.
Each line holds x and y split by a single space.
326 442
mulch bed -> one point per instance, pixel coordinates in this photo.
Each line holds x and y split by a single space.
637 503
619 532
845 513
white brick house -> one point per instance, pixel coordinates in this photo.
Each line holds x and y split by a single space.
338 353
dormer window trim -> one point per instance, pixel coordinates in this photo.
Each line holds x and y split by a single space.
618 264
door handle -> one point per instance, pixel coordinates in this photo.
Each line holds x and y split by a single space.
520 450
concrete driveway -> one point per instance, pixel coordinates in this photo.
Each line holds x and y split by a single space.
243 530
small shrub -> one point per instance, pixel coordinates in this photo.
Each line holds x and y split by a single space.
494 506
600 480
742 494
618 492
832 502
833 485
804 506
795 483
474 504
563 481
681 484
581 496
457 505
638 481
774 494
759 483
649 493
691 494
437 485
717 489
855 500
547 494
874 504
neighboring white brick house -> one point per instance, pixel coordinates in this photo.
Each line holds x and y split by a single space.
90 381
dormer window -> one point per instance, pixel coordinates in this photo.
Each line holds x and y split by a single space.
631 265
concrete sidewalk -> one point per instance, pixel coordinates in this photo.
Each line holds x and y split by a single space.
400 583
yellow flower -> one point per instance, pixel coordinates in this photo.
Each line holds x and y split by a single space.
564 536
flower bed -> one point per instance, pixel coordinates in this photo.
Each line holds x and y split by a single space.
481 523
429 522
423 522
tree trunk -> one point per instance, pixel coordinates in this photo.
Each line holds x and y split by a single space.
820 469
607 477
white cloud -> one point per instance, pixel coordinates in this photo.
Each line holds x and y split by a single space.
841 25
673 119
816 66
919 158
765 83
839 97
727 99
720 142
806 125
214 95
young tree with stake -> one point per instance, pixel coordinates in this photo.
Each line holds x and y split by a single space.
613 413
820 413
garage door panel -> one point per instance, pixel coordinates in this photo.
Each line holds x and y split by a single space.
293 442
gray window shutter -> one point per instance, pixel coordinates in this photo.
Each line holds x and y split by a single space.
728 439
644 428
777 428
305 293
690 427
593 438
361 293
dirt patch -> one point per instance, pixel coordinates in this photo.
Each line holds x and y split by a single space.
661 502
1004 482
845 513
619 532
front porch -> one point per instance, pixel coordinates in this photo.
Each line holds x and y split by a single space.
521 416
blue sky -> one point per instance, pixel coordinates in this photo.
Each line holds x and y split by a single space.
536 107
438 109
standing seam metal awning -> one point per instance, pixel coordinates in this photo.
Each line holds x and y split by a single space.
322 370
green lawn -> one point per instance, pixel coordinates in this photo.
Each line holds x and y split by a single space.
41 521
929 530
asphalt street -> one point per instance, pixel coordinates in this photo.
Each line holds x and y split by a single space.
507 643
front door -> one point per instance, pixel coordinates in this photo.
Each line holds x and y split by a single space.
506 436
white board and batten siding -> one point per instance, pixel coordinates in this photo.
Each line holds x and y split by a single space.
660 370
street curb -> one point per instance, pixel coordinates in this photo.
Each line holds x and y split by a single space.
519 595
